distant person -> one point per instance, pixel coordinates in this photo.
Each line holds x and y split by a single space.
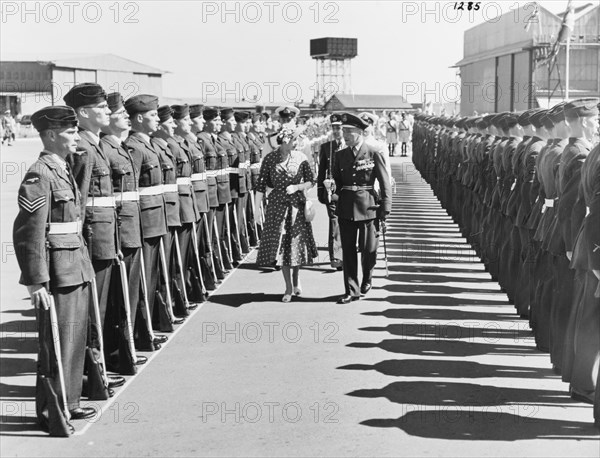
9 127
403 134
391 135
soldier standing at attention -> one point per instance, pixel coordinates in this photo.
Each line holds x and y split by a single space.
50 219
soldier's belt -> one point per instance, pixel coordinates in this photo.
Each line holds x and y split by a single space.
256 165
152 190
101 202
549 203
73 227
170 187
129 196
356 188
243 165
233 170
211 173
198 176
182 181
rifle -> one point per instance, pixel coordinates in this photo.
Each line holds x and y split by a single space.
165 269
145 294
197 257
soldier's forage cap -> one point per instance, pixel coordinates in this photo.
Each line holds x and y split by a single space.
510 120
210 113
582 108
141 103
241 116
256 117
180 111
115 101
165 113
557 113
195 110
287 111
524 118
537 118
350 120
496 120
56 117
369 118
482 122
84 94
226 113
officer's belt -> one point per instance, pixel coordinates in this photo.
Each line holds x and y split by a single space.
356 188
152 190
198 176
170 187
101 202
73 227
129 196
549 203
182 181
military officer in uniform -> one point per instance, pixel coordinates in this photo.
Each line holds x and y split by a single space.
91 170
327 155
50 219
358 207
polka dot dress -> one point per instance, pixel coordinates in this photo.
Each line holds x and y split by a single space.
287 238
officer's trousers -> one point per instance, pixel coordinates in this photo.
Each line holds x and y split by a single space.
334 240
349 232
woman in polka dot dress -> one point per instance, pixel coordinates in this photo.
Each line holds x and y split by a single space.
287 238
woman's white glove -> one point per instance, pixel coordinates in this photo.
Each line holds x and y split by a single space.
291 189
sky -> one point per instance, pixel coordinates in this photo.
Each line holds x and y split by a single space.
243 49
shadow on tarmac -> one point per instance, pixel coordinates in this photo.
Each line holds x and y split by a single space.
441 314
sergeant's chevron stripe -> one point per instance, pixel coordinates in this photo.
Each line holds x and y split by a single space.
31 205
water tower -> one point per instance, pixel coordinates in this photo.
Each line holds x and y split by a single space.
332 57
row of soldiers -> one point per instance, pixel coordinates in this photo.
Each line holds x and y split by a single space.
132 213
525 190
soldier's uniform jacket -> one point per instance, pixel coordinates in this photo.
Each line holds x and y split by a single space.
217 162
152 205
183 166
360 172
233 162
125 180
49 195
203 197
508 176
586 255
169 176
92 173
570 211
243 148
515 192
529 187
327 149
257 143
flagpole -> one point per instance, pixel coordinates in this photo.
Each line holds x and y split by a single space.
567 67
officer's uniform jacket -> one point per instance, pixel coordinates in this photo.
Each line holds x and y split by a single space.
125 187
169 175
50 218
328 149
243 148
92 173
354 179
183 168
217 163
152 204
204 196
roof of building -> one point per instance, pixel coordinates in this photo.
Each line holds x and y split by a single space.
110 62
376 102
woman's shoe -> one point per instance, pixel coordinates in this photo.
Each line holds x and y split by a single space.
286 298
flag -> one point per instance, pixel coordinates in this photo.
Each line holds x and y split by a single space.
534 18
566 28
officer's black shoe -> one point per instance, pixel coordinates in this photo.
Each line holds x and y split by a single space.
365 288
192 307
141 360
178 320
160 339
110 392
346 299
114 382
81 413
